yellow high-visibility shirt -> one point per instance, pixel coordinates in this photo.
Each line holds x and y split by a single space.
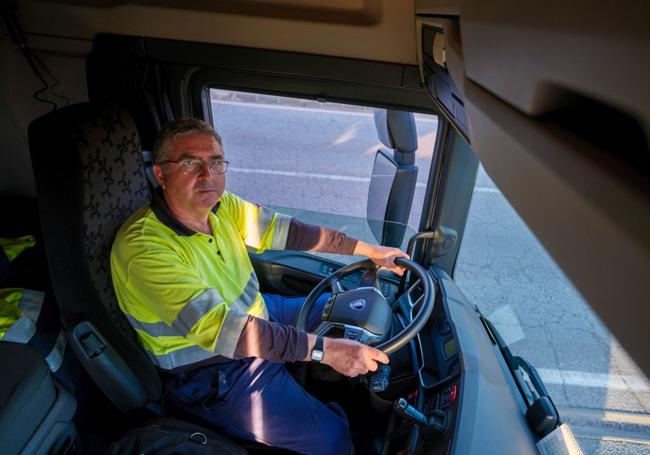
186 293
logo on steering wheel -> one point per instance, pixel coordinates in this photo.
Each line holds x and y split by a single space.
358 304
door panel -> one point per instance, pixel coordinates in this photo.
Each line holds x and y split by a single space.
290 272
295 273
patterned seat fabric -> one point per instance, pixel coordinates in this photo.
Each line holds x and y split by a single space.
114 187
90 178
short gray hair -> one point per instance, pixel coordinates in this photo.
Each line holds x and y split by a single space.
163 144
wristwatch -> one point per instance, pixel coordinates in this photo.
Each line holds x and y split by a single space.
317 351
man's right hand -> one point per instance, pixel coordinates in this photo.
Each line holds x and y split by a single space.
351 358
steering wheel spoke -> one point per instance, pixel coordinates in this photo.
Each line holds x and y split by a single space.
322 328
336 287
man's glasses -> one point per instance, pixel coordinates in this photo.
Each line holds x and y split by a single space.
194 165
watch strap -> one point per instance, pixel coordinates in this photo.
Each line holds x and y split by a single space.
317 352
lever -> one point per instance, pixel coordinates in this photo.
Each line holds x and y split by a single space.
378 380
408 412
370 278
430 426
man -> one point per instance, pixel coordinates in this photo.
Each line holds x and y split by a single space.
183 278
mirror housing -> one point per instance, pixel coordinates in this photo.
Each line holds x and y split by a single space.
390 197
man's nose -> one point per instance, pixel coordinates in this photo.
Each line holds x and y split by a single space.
205 170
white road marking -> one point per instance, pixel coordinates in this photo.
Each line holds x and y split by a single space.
340 178
507 323
619 436
604 416
484 189
310 175
621 427
599 380
310 109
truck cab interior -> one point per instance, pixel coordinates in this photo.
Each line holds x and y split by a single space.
551 98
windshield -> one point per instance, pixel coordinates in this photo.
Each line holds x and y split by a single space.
316 161
354 226
505 271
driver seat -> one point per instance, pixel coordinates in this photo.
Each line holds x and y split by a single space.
89 176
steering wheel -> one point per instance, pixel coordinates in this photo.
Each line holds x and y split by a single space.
363 314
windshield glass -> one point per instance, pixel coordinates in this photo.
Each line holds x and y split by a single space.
316 161
506 272
354 226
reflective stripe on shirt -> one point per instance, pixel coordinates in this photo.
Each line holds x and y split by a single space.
195 309
24 328
258 226
30 305
232 327
180 357
190 315
281 233
13 247
247 298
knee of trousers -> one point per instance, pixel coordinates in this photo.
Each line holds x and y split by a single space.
332 437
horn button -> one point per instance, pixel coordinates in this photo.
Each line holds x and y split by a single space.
364 307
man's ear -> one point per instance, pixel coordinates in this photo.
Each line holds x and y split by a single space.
160 176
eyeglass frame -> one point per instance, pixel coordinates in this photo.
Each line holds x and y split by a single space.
203 163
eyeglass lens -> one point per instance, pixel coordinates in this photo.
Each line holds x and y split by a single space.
195 166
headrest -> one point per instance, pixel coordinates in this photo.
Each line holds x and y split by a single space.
396 130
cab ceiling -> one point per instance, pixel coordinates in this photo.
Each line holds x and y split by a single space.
381 30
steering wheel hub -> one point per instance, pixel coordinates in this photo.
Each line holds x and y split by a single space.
364 307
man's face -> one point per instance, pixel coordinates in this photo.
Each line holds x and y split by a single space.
195 192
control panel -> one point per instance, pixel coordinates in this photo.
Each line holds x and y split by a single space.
387 289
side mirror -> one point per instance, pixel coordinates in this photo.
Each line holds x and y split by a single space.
390 196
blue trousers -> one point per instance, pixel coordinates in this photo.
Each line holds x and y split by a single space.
258 400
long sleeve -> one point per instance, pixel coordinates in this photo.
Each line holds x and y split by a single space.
309 237
271 341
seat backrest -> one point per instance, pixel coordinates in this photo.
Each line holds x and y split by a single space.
89 175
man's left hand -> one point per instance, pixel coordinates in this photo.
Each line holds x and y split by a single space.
383 256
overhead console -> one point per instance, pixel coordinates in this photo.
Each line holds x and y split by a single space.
435 75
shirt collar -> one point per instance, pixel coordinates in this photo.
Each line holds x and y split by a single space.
166 217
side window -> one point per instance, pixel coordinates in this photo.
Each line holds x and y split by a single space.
506 272
302 155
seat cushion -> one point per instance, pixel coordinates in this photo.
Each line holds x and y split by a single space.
26 394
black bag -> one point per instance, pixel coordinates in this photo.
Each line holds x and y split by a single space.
166 436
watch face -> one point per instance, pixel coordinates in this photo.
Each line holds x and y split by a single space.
316 355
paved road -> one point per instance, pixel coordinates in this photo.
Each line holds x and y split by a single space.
598 388
315 160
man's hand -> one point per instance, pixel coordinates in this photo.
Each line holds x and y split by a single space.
383 256
351 358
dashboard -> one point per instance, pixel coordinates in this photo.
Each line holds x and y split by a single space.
463 380
451 373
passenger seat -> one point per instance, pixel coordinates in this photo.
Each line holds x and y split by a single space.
35 412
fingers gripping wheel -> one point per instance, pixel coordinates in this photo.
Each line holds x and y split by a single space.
363 314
